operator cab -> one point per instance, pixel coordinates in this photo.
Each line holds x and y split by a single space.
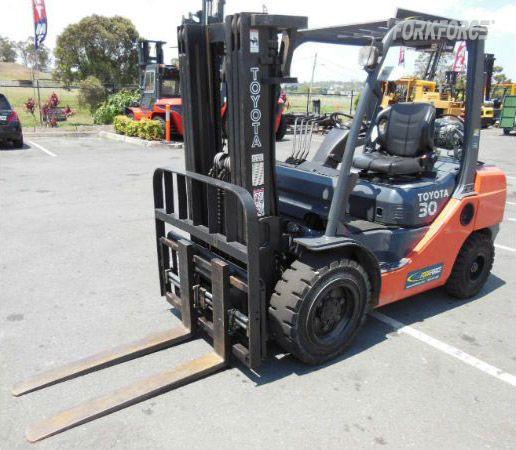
400 185
400 180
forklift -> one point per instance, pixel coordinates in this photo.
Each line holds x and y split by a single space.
159 87
253 252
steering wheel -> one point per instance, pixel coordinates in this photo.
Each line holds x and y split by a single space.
334 117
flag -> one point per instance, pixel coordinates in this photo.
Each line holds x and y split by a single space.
40 22
401 60
459 64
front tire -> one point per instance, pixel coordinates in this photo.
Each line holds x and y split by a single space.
318 307
472 266
506 131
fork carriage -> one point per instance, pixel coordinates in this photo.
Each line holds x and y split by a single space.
213 265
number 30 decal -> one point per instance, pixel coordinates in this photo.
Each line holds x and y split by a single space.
427 208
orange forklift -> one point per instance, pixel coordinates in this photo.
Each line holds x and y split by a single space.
160 86
252 251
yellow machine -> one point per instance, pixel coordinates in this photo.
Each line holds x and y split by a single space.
503 89
411 89
487 114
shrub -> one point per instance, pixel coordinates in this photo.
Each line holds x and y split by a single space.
92 93
121 123
132 128
145 128
150 130
114 105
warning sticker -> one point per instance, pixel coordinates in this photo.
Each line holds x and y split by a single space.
254 41
259 201
257 169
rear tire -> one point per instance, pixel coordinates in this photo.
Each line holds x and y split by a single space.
318 307
506 131
472 266
18 143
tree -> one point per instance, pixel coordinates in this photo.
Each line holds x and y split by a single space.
92 93
103 47
498 75
32 59
7 50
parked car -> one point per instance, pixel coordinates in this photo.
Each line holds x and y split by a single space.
10 126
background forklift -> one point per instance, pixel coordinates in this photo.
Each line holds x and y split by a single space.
159 87
237 256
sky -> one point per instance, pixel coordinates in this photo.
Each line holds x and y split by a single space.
158 19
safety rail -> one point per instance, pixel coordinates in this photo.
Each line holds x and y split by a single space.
191 203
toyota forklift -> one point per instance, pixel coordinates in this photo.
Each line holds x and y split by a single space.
252 251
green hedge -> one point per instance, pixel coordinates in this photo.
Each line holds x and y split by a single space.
145 128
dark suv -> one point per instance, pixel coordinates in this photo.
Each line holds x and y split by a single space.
10 126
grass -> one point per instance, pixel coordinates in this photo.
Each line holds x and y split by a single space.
14 71
19 95
329 103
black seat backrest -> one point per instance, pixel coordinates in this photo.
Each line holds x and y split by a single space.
408 129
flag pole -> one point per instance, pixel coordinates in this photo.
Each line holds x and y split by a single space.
37 84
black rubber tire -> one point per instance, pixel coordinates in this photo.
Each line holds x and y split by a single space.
18 143
506 131
282 128
295 301
162 122
478 251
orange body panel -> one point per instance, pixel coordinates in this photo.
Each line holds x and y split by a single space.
159 109
446 235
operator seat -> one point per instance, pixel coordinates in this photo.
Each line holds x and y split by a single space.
405 141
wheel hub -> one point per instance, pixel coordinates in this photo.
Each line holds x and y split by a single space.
477 267
330 311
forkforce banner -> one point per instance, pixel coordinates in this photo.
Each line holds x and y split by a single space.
40 22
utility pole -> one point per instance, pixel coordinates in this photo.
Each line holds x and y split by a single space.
311 83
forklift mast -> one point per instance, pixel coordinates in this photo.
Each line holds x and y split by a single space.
146 57
489 60
247 56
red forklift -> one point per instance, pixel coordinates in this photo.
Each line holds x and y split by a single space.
160 86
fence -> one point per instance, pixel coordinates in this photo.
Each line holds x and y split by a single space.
51 84
302 102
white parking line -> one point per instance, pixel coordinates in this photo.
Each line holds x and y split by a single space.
504 247
511 219
43 149
448 349
511 203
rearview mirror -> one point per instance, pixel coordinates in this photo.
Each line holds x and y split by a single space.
368 57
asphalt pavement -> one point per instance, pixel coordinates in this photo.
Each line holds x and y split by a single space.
78 274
